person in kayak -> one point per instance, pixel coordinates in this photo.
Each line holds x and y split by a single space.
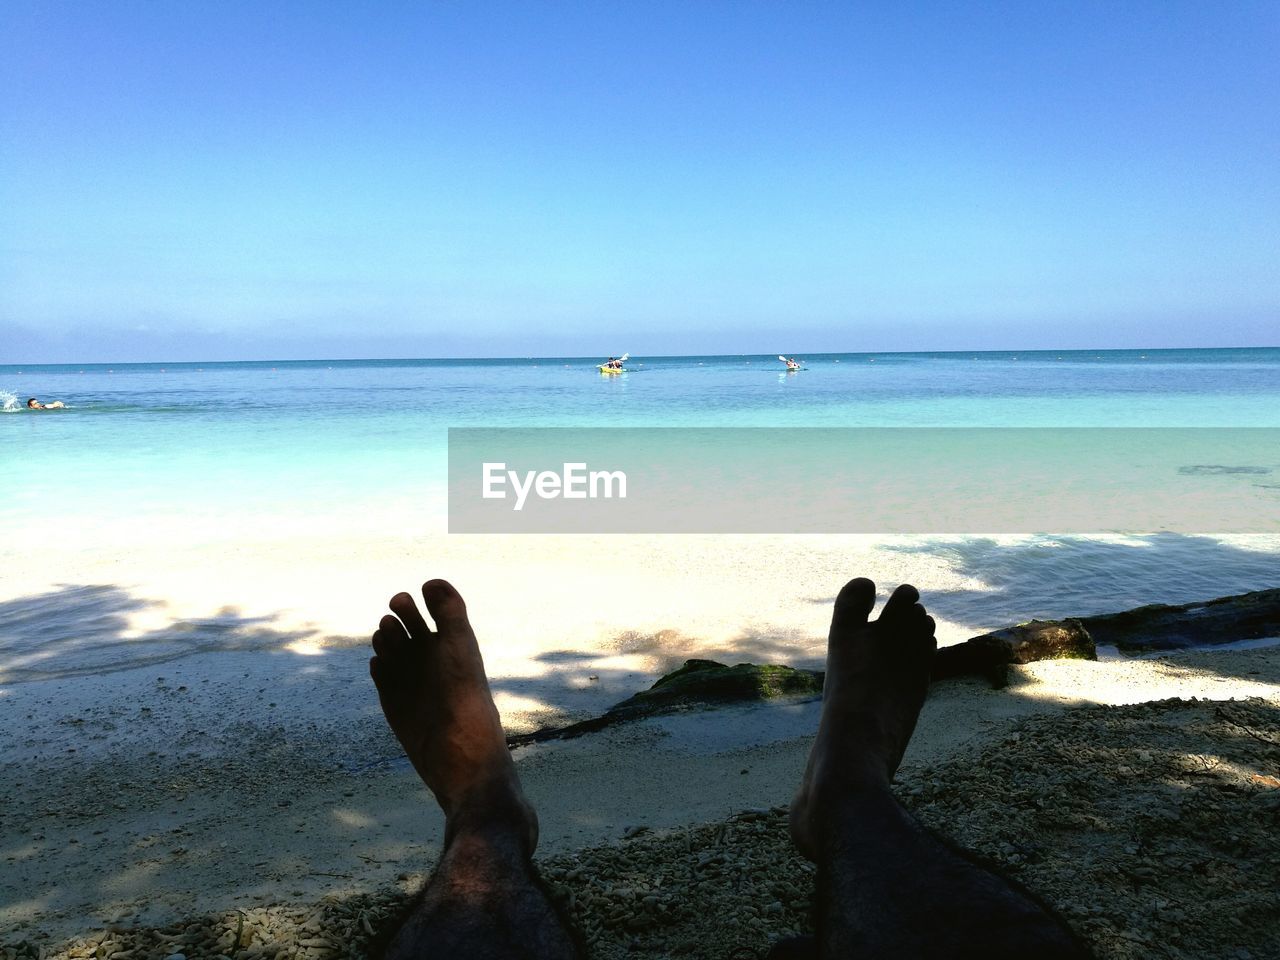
34 404
793 364
614 363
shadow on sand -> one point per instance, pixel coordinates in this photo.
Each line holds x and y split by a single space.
1051 577
79 630
82 630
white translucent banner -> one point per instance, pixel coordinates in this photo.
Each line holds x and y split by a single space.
872 480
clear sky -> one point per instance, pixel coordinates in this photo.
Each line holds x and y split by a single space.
226 180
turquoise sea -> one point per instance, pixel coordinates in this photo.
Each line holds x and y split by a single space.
158 476
328 440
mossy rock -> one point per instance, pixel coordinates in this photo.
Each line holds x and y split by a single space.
709 682
704 683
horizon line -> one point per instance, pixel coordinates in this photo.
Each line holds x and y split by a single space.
655 356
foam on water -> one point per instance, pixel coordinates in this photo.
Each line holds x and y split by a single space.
9 402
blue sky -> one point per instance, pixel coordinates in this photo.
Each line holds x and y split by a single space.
271 180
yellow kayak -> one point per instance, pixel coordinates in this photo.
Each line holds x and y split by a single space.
612 370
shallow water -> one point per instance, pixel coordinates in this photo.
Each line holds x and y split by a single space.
227 451
239 441
246 438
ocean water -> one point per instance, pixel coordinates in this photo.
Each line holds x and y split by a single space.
208 456
329 441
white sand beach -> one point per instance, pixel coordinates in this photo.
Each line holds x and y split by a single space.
188 753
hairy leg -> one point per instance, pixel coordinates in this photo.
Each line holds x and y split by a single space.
484 900
886 886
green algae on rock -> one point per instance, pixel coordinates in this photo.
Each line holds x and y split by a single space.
699 683
990 654
706 681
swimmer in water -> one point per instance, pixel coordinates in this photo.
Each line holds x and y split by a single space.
34 404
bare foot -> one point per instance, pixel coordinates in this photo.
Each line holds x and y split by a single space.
876 681
435 696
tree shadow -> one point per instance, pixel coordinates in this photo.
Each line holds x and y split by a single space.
357 836
1052 577
78 630
671 648
581 684
1043 577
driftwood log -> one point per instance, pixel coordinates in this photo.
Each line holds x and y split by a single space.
702 683
1155 627
990 654
1247 616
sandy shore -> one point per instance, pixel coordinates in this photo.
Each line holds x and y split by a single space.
553 611
231 781
189 730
